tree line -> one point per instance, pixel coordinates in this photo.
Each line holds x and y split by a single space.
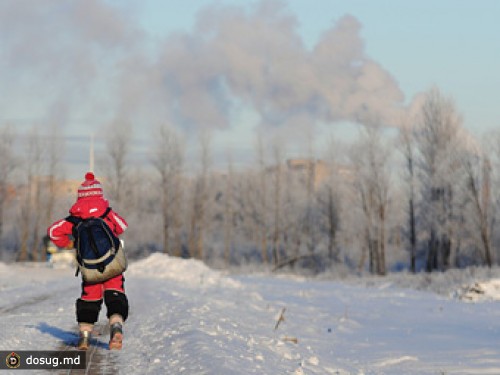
419 197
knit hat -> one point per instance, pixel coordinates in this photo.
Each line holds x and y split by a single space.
90 187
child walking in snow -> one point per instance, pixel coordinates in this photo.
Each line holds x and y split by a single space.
91 204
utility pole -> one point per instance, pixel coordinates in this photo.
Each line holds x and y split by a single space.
91 155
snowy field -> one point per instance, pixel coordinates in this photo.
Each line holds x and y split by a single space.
188 319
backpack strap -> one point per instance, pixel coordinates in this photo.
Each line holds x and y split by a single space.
108 210
75 221
114 238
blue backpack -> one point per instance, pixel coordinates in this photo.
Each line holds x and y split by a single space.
96 247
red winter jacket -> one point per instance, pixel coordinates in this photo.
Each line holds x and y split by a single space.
60 231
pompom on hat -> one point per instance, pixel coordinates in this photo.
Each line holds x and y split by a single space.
90 188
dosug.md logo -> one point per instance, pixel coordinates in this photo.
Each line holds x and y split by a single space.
13 360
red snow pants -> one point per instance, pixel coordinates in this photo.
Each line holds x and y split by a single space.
94 292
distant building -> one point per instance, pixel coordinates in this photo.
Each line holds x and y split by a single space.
43 184
69 187
317 170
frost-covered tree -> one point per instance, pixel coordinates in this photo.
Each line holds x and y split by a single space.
407 149
249 215
492 144
439 143
371 162
329 198
229 214
252 199
168 158
277 205
55 147
8 163
477 173
118 143
30 202
200 200
328 201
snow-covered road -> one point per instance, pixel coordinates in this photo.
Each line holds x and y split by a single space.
188 319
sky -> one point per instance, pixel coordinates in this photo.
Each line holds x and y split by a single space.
282 68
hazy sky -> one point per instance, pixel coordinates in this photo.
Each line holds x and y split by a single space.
235 66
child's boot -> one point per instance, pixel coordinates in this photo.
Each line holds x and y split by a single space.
85 336
116 332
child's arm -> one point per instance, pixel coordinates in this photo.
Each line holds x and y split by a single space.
116 222
59 233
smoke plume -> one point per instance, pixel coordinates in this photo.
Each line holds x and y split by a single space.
89 63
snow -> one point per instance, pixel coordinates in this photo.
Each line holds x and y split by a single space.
189 272
188 319
481 291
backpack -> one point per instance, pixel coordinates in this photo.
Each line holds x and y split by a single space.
99 252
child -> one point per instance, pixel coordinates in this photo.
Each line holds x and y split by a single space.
91 203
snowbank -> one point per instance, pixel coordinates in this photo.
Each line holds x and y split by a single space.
189 272
481 291
3 268
474 284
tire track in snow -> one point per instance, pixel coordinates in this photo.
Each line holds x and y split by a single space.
25 303
31 301
100 361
